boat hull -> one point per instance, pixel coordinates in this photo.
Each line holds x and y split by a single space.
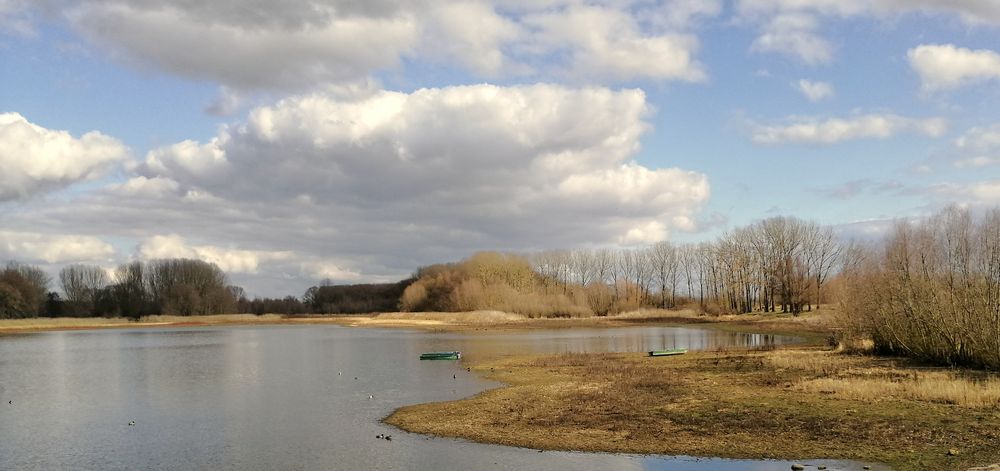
441 356
667 353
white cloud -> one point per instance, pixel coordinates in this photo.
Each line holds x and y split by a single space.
305 44
980 194
327 269
812 130
471 32
791 27
373 186
34 159
608 42
280 45
230 260
978 147
794 34
15 19
944 66
31 247
814 91
156 187
189 158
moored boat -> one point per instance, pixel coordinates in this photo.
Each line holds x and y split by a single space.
441 356
667 353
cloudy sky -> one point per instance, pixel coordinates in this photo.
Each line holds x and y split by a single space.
358 139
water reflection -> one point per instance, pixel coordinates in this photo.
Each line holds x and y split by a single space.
281 397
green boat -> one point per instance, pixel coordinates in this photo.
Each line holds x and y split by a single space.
441 356
667 353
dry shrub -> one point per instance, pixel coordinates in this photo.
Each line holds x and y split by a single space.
932 291
414 296
491 281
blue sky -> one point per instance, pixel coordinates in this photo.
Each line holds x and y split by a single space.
358 142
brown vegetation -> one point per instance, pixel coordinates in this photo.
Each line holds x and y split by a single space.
758 404
931 291
492 282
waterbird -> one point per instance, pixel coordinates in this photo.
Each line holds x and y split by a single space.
388 437
371 396
453 377
380 436
131 423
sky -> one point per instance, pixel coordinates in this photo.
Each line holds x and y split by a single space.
356 140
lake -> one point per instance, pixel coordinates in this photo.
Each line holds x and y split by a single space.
285 398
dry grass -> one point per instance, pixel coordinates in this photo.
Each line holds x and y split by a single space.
657 314
214 319
75 323
936 387
59 323
870 380
471 317
732 404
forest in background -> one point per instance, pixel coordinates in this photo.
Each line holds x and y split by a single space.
778 264
929 289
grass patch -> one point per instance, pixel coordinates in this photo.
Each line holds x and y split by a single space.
738 404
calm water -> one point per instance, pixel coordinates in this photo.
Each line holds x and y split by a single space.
282 398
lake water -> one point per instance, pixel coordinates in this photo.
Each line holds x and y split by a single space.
284 398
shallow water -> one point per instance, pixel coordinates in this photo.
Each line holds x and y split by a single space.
284 397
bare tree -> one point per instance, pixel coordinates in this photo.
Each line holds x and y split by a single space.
80 284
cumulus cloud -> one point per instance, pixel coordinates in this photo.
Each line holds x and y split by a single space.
609 42
271 45
945 66
372 186
813 130
228 259
32 247
792 27
34 159
303 44
491 157
978 147
814 91
472 33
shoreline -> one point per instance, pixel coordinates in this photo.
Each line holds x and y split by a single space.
55 324
812 327
787 403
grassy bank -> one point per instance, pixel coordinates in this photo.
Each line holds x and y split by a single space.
792 404
816 325
40 324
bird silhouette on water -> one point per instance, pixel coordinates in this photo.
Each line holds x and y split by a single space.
131 423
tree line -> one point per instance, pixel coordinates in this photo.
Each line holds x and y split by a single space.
780 263
182 287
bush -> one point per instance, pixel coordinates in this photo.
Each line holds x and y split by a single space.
932 291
